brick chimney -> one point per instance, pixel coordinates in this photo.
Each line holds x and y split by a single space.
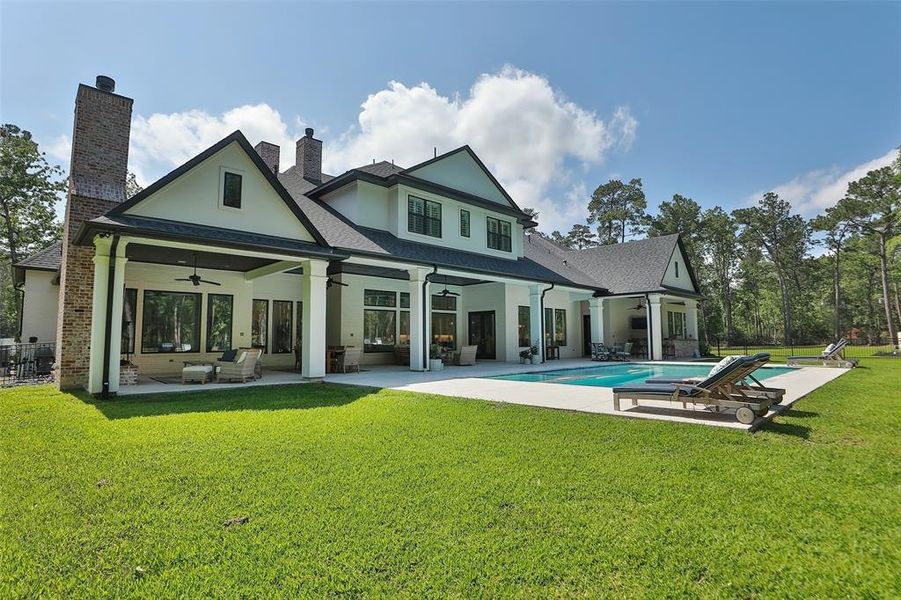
97 175
309 157
270 155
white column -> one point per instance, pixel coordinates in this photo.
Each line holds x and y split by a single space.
98 313
655 323
115 341
535 331
596 313
313 296
691 318
419 361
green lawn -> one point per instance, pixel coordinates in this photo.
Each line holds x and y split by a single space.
352 491
882 352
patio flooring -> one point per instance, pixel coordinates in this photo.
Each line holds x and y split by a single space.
470 382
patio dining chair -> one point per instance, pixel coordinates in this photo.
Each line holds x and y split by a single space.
599 351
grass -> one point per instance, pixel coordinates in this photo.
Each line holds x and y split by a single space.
361 492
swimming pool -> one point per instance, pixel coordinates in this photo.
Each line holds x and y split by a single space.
626 374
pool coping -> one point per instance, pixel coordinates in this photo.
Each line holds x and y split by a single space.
587 399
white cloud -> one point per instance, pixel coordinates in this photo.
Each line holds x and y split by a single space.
162 141
815 191
527 133
59 149
530 136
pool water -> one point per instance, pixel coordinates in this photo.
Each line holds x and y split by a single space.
627 374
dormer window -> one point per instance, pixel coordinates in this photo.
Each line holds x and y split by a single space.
499 235
231 190
423 216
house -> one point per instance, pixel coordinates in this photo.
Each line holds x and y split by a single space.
226 251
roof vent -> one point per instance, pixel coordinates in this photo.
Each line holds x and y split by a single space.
106 84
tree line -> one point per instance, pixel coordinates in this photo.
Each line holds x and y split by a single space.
767 274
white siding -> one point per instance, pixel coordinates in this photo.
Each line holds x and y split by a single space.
670 278
41 306
460 172
195 197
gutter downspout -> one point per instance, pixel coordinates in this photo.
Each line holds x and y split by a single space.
21 307
107 334
426 355
541 333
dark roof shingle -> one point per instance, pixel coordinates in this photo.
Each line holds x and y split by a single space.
47 259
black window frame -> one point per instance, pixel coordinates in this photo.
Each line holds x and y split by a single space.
422 218
550 327
129 328
372 292
451 300
265 345
209 321
290 344
527 326
370 348
465 223
226 201
497 240
439 317
198 298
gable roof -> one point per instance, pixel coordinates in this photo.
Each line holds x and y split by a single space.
465 148
630 267
235 137
386 174
48 259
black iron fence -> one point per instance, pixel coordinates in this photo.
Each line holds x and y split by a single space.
853 350
27 363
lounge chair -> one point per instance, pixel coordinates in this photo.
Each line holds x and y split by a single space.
466 356
831 356
720 390
752 389
350 360
243 367
600 352
625 353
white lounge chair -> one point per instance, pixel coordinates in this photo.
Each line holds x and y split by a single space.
466 356
831 356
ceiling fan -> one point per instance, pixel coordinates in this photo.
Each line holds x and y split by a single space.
639 306
195 278
446 292
330 282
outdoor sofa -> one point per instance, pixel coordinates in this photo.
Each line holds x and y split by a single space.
721 390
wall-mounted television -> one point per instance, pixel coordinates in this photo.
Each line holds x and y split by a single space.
639 322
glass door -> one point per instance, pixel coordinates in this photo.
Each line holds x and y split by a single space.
482 333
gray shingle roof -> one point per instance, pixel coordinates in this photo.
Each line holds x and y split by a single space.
621 268
382 169
47 259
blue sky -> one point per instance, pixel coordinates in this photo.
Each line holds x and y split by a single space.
719 102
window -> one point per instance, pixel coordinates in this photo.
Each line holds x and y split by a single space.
171 322
405 299
677 269
499 235
231 190
423 216
259 326
559 327
677 326
444 330
555 326
525 334
298 333
444 302
281 326
129 320
218 322
378 330
380 298
403 336
464 222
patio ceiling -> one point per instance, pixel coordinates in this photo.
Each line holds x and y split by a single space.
183 257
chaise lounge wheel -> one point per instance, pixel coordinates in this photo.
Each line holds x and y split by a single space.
745 415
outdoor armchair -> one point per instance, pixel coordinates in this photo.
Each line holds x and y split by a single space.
242 369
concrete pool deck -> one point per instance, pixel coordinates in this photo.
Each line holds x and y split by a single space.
470 382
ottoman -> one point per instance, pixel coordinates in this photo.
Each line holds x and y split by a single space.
194 373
